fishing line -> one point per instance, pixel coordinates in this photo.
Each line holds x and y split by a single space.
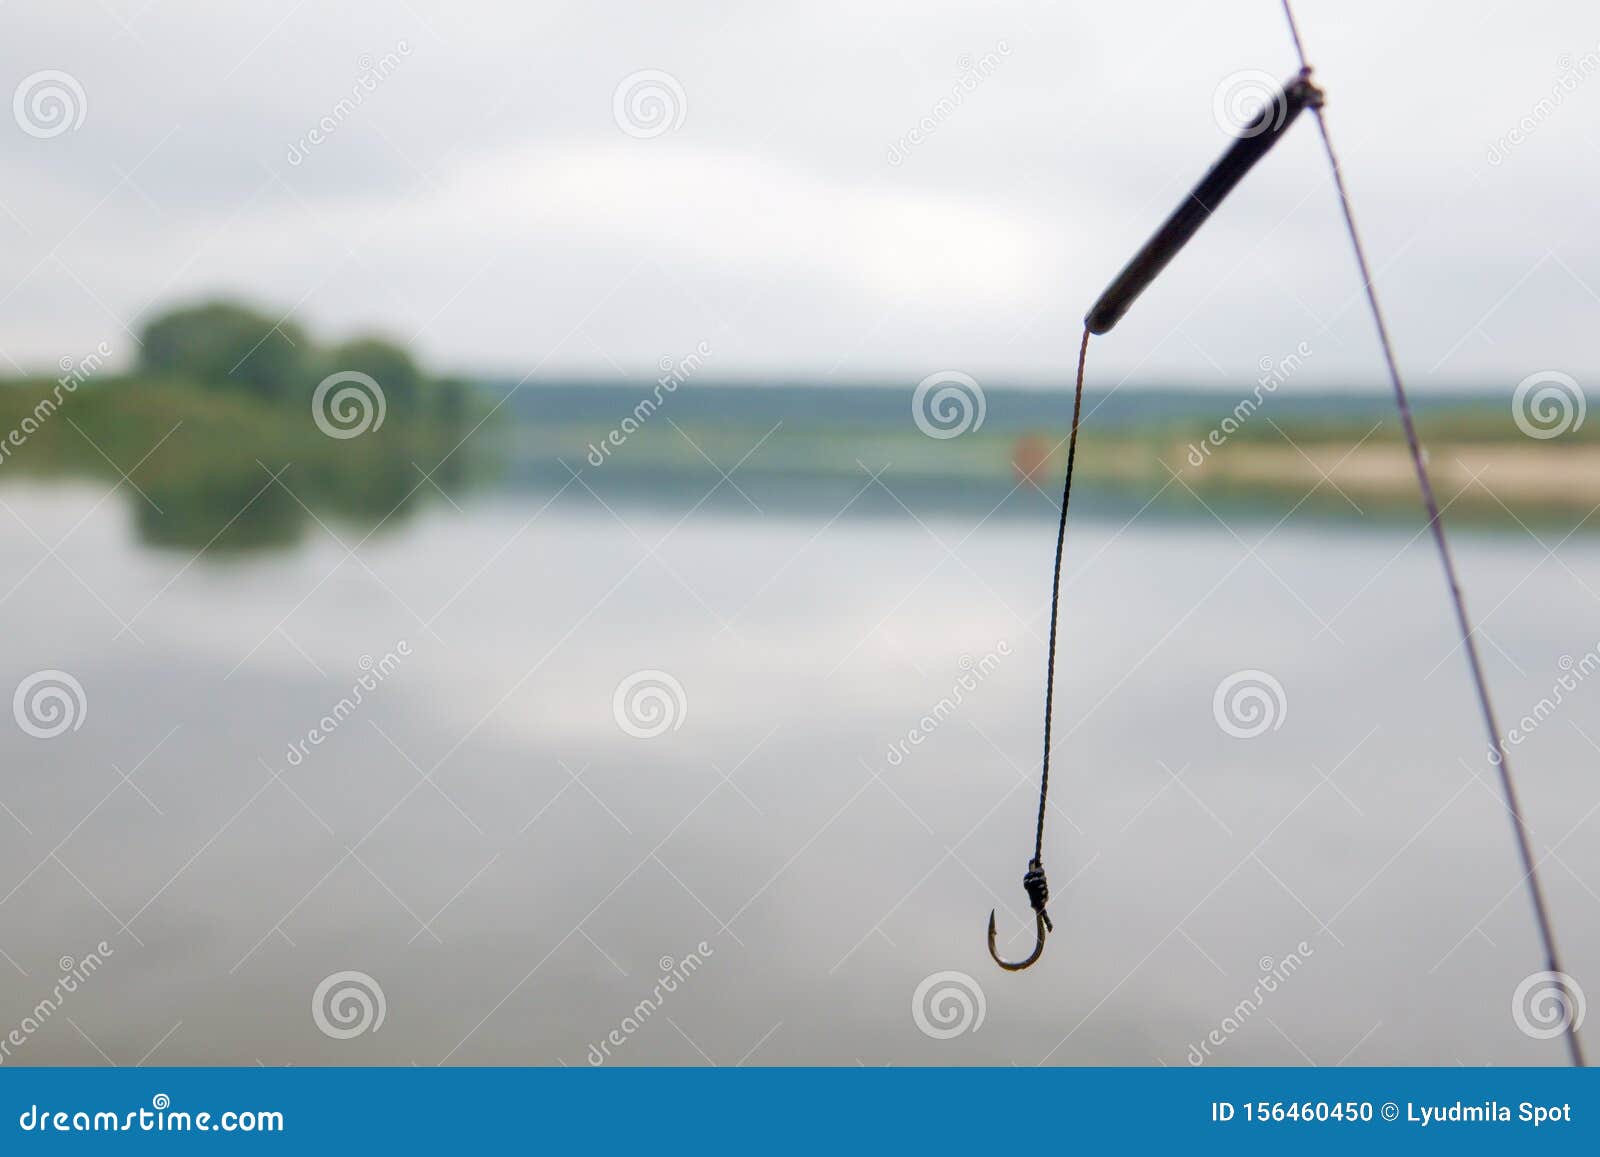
1055 618
1463 621
1033 881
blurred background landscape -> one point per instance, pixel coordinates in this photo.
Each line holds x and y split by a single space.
547 498
222 388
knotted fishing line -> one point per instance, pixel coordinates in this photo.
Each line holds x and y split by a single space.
1252 143
1033 881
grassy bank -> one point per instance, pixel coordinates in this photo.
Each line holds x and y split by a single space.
1482 464
205 458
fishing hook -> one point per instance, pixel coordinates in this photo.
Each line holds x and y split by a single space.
1038 896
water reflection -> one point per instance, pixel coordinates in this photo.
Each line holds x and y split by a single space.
249 510
512 868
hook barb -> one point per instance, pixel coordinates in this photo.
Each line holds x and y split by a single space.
1041 922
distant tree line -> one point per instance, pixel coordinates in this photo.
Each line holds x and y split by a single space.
228 346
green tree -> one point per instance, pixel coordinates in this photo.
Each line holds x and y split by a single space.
224 345
403 384
452 402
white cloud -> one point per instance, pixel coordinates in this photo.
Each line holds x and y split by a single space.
485 201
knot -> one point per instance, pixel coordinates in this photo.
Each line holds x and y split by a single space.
1038 889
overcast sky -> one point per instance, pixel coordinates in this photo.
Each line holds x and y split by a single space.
486 202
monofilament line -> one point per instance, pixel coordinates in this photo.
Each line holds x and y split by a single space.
1436 525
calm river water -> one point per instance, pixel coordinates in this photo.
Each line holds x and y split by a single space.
557 780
